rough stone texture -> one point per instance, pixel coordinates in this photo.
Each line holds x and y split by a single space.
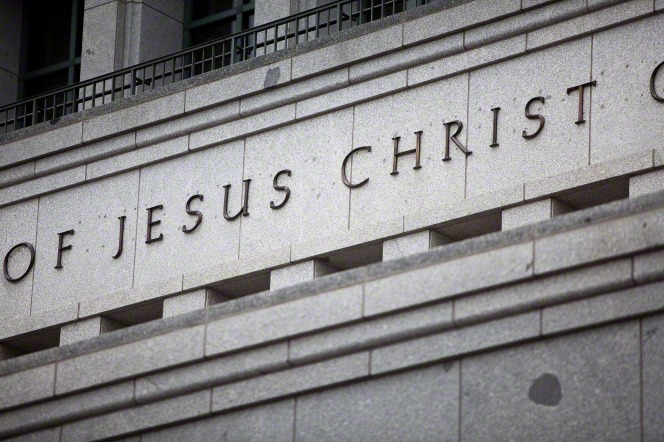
25 324
284 320
139 418
605 308
171 184
86 329
273 422
623 61
419 405
455 342
188 302
292 381
268 11
43 185
17 173
659 5
18 224
313 150
647 183
538 293
517 159
531 213
653 378
92 211
27 386
49 435
448 278
103 36
581 387
412 243
130 359
649 267
300 272
53 141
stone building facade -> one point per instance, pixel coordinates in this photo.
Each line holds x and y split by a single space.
446 223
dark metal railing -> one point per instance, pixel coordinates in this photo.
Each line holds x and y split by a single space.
260 40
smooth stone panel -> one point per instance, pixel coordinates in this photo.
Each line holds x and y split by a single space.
561 146
581 387
103 26
42 185
531 213
42 144
18 224
17 173
86 329
171 184
89 270
649 267
625 117
438 182
48 435
646 183
412 243
27 386
421 405
652 340
300 272
313 151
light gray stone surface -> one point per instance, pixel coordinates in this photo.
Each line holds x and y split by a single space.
48 435
187 302
155 20
455 342
284 320
623 61
653 378
579 387
412 243
443 280
38 321
140 418
531 213
420 405
273 422
659 5
561 146
103 37
268 11
171 184
88 268
313 150
27 386
649 267
86 329
650 182
386 196
40 186
17 173
18 224
45 143
300 272
131 359
292 381
605 308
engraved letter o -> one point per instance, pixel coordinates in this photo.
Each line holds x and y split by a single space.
5 264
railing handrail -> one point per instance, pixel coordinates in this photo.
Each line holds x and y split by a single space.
278 35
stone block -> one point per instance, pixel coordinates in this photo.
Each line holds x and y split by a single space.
649 267
538 293
406 58
188 123
600 309
472 59
352 94
18 224
653 378
594 173
532 213
17 173
300 272
578 387
284 320
139 418
599 241
27 386
318 205
267 12
447 279
659 5
87 329
192 301
229 88
133 117
371 333
66 409
130 359
171 184
273 422
456 18
348 51
103 27
88 269
86 153
561 146
524 22
455 343
624 58
412 243
242 127
646 183
588 23
42 144
37 321
41 186
417 405
213 372
290 382
300 90
48 435
402 115
598 4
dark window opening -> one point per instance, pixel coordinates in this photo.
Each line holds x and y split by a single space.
207 20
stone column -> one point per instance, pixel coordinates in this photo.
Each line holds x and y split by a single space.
300 272
531 213
412 243
270 10
87 329
10 49
646 183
